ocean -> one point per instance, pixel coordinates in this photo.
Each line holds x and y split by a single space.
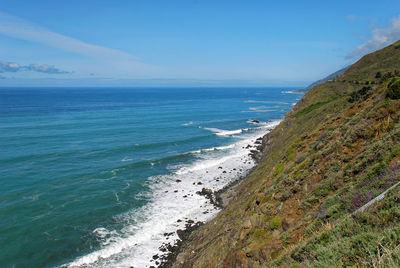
94 177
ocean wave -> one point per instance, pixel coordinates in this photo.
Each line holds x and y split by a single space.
221 132
213 149
188 124
262 109
291 92
126 159
262 124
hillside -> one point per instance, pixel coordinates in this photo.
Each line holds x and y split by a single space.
335 151
325 79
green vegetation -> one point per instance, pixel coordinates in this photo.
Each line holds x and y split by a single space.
338 149
275 223
366 238
393 91
310 108
361 94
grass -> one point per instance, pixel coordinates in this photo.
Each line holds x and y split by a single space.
310 108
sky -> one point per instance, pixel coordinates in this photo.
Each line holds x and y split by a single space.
199 42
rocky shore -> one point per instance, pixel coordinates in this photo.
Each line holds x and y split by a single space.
220 199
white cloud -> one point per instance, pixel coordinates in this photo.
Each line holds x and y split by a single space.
7 67
381 37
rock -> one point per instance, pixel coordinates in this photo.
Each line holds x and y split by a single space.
178 180
175 191
180 232
179 220
205 191
155 257
255 121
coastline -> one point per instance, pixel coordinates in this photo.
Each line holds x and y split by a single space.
199 205
220 199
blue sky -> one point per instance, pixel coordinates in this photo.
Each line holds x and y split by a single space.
187 42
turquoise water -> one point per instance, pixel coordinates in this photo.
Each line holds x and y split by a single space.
88 174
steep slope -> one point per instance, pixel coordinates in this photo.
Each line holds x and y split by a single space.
335 151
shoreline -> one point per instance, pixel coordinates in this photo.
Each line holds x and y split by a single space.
219 199
230 167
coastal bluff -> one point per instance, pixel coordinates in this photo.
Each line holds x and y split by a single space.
338 149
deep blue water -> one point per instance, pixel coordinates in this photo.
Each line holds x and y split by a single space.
84 171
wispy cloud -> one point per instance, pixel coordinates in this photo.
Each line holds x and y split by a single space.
381 37
19 28
12 67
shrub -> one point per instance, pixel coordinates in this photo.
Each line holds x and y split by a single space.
393 90
275 223
361 94
260 234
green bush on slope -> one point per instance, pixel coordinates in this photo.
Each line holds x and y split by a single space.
393 90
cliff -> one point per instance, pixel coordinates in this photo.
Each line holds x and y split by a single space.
338 149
